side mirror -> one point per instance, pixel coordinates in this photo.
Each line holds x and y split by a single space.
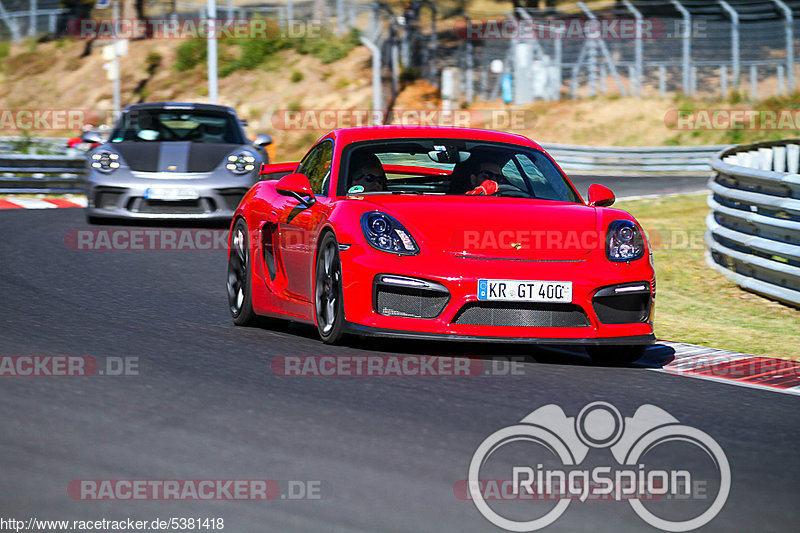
600 196
94 137
297 186
262 140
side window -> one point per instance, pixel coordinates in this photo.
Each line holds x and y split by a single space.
542 187
317 166
513 176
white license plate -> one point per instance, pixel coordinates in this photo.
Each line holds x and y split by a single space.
174 195
516 290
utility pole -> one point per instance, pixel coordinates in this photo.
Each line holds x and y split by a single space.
212 51
116 45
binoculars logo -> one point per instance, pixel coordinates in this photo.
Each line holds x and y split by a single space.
632 441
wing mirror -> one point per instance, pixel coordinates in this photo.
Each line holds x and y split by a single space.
262 140
93 137
297 186
600 196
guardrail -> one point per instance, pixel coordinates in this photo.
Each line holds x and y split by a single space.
644 160
42 173
753 228
33 173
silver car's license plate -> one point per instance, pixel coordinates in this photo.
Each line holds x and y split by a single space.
525 290
170 194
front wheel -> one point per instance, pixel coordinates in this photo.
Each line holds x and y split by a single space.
240 297
328 303
615 355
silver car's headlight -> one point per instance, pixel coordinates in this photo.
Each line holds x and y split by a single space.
105 161
385 233
241 162
624 242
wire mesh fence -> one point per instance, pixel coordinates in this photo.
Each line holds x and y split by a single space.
637 47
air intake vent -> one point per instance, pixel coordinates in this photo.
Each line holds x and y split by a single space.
522 314
408 297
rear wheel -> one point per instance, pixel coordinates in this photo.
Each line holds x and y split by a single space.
240 298
616 355
328 303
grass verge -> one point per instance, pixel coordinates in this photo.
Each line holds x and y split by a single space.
695 303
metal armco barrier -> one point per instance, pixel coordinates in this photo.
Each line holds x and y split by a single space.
643 159
753 228
33 173
42 173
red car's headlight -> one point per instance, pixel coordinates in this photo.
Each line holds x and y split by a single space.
624 242
385 233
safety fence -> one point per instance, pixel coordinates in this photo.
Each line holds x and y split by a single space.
753 228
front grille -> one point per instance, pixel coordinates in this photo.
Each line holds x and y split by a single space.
409 302
183 207
522 314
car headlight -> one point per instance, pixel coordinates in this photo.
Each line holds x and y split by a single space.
241 163
387 234
105 161
624 242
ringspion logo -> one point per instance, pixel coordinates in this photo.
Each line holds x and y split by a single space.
674 477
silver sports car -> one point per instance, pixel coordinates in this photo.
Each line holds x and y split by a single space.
173 161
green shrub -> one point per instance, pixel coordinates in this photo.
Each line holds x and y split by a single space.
328 48
190 54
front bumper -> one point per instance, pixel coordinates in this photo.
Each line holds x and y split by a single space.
119 198
367 331
576 323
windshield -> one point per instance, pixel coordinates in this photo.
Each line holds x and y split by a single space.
452 167
161 125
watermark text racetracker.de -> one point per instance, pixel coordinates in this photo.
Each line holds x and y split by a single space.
387 366
162 239
733 119
674 476
193 28
250 490
547 29
328 119
67 366
44 120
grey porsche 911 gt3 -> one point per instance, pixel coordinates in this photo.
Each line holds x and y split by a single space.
173 161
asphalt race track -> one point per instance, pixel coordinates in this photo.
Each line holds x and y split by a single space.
206 404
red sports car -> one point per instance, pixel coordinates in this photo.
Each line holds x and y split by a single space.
441 233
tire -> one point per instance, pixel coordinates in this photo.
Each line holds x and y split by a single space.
239 282
328 293
620 355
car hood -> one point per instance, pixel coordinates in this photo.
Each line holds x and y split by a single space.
173 156
495 228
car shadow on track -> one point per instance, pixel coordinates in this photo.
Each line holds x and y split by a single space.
656 356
